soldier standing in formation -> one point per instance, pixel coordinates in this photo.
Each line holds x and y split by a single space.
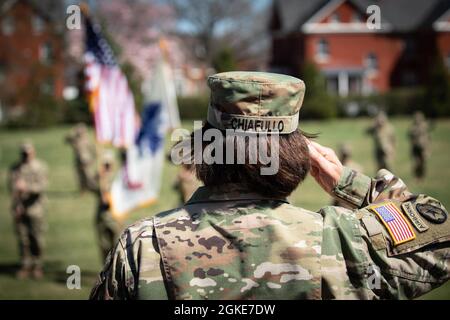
384 138
420 142
84 152
107 227
27 183
239 238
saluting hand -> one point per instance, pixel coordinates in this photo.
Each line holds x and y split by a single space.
326 167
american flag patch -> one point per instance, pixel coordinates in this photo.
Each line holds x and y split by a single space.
399 228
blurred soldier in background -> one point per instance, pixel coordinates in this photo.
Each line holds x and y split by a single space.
238 237
84 155
186 182
420 144
384 139
27 183
345 155
107 227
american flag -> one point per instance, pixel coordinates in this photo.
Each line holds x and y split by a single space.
399 228
110 98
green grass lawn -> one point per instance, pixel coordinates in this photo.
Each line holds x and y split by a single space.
70 235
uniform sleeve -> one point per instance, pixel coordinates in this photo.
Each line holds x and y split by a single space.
376 262
133 269
358 190
93 183
86 155
408 270
113 281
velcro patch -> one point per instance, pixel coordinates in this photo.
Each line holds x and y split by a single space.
414 216
395 222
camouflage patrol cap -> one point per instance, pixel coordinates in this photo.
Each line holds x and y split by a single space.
26 146
255 101
107 157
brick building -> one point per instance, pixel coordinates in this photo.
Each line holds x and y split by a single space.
31 55
355 59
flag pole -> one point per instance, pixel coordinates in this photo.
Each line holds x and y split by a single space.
85 10
163 47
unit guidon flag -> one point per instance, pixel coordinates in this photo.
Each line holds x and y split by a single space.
398 226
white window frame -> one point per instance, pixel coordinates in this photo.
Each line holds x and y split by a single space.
46 53
38 24
371 62
322 50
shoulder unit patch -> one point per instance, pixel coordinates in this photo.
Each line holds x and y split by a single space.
395 222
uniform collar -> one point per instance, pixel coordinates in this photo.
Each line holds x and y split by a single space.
227 192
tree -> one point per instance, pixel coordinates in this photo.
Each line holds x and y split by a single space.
236 23
437 94
136 27
224 60
317 103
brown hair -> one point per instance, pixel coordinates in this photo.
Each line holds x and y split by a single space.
294 165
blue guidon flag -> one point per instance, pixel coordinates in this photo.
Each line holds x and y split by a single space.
395 221
139 181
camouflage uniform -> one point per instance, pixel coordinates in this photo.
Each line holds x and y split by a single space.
84 152
28 209
345 155
420 142
108 229
384 138
229 243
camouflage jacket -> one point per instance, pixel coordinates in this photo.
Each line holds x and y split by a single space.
384 138
228 244
34 174
419 135
84 149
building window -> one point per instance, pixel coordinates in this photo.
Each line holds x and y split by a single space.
322 51
38 24
371 62
335 18
45 53
355 84
332 83
8 25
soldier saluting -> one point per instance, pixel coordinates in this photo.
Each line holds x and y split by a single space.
384 139
84 155
106 226
420 144
239 238
27 183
